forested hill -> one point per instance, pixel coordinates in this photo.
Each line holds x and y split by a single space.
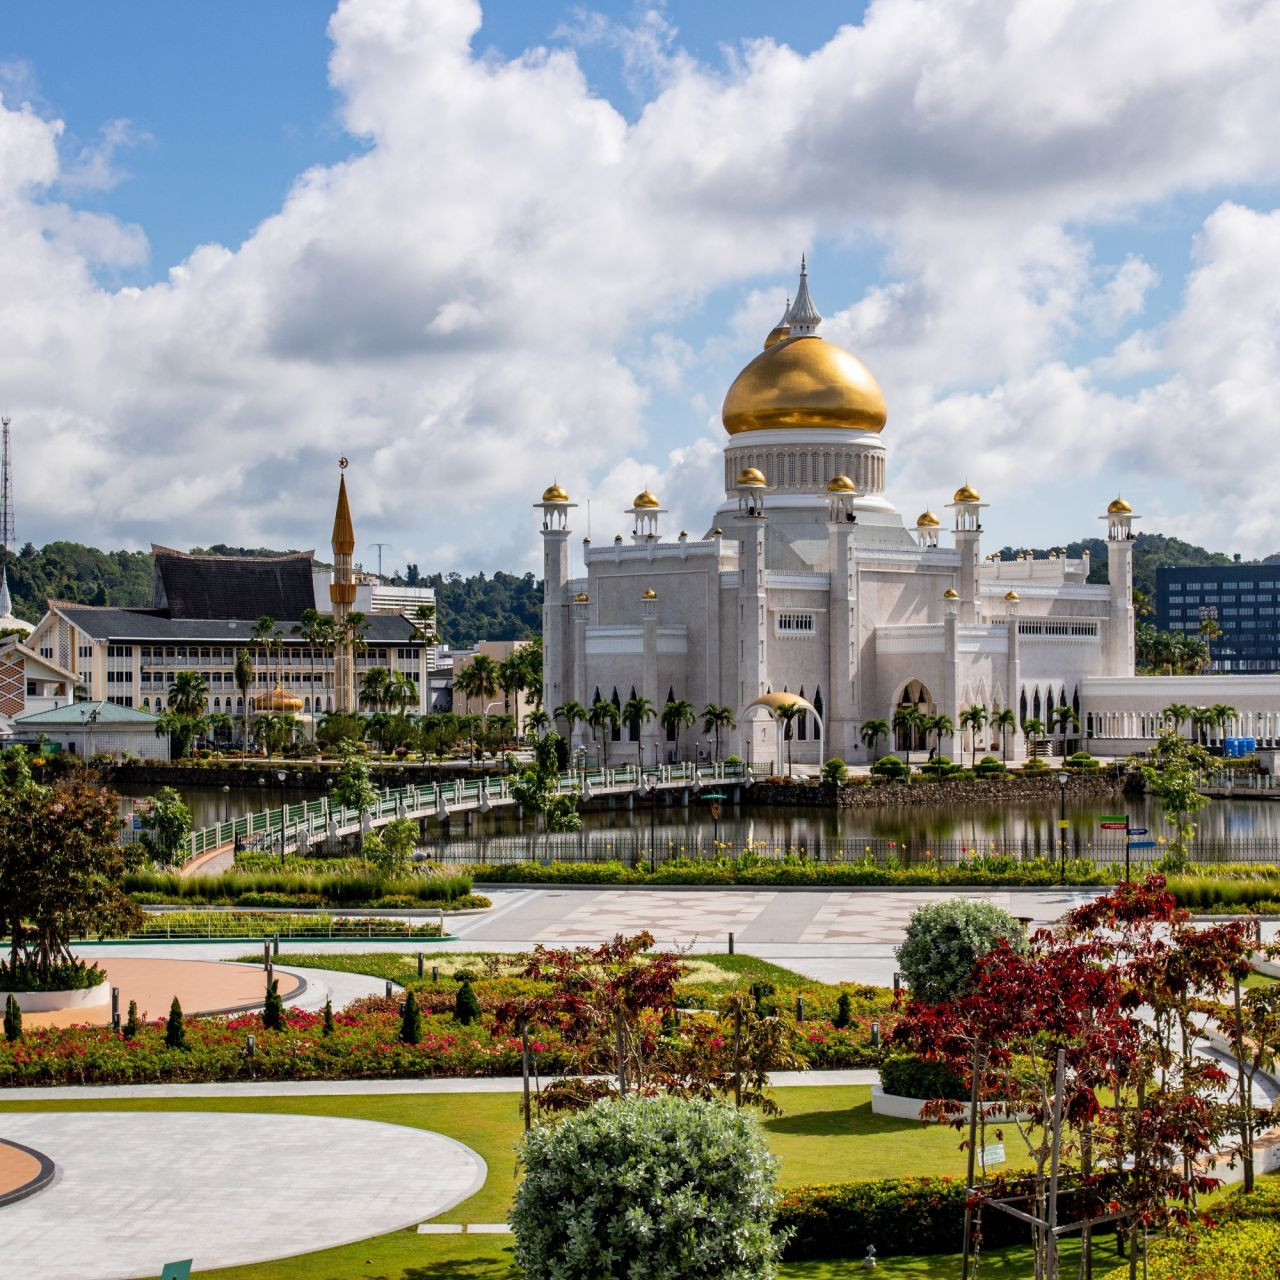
68 571
1151 551
503 607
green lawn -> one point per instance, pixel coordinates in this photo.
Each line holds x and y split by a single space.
825 1134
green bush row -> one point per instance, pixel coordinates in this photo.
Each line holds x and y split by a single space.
897 1216
911 1077
359 889
977 871
1206 892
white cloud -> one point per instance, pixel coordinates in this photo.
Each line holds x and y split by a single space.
489 294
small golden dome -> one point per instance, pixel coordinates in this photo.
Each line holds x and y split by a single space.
645 501
804 382
617 537
951 594
965 494
1119 507
1012 597
717 533
649 594
841 484
684 533
751 476
277 700
927 520
581 597
554 494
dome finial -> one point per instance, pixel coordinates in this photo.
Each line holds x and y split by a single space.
803 317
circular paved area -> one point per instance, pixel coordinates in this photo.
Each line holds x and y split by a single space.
134 1191
22 1171
201 986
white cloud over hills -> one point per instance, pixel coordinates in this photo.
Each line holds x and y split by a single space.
504 285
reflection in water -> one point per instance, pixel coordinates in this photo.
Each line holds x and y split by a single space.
1249 829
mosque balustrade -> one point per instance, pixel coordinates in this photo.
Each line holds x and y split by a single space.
912 637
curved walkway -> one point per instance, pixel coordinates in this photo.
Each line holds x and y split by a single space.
137 1190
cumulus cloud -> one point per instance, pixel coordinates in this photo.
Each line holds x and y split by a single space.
500 285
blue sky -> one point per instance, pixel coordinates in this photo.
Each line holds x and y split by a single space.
469 248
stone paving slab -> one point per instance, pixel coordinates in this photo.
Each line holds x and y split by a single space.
136 1190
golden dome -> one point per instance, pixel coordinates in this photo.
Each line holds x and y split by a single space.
841 484
554 494
927 520
804 382
646 501
1012 597
965 494
277 700
951 594
649 594
751 476
581 597
1119 507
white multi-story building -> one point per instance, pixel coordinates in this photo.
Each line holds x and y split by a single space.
809 587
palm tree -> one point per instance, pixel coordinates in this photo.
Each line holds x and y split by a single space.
871 733
908 721
1177 714
676 715
637 712
486 679
243 676
1006 721
941 727
1064 719
1210 630
188 694
1033 730
375 688
466 682
572 713
403 690
973 718
604 718
788 713
1226 714
424 624
716 718
537 722
511 680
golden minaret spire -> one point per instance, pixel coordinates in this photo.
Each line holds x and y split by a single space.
342 594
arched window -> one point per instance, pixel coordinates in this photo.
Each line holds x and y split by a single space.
615 733
1035 705
671 729
802 722
1022 708
817 706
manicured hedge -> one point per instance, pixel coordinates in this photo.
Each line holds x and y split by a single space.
898 1216
976 871
911 1077
289 888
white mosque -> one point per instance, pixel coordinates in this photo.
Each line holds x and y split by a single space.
809 587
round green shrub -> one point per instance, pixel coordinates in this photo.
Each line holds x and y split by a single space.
834 772
668 1188
990 767
1034 765
943 939
912 1077
892 767
1082 760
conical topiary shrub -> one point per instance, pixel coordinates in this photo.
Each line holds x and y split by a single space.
175 1034
273 1009
130 1030
410 1021
12 1019
466 1008
328 1017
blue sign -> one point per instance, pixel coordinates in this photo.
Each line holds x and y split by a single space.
1138 831
176 1270
1142 844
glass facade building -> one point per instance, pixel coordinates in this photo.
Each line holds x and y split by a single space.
1244 600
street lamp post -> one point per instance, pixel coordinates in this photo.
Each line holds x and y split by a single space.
653 822
1062 820
226 803
282 774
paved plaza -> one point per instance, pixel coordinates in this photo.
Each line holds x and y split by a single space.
136 1190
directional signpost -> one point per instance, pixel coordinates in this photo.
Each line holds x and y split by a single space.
1118 822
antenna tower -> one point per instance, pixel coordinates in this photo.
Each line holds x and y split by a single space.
6 492
380 546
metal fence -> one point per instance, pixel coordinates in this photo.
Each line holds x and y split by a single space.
636 848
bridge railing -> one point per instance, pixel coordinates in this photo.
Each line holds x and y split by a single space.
286 823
